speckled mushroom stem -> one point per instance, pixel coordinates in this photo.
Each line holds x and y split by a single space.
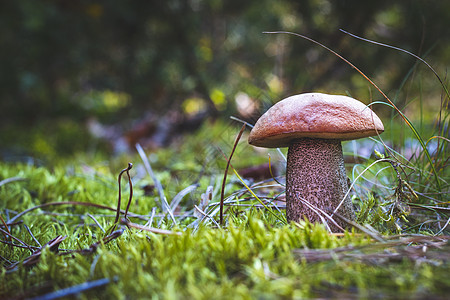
315 173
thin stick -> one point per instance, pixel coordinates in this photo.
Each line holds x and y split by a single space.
120 191
222 192
130 165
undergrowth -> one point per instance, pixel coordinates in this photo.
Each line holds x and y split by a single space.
250 258
253 255
58 228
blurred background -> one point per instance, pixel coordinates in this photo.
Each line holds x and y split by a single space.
74 73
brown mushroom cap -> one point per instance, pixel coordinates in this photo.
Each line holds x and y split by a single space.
314 115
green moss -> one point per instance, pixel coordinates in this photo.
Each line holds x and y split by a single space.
253 256
246 261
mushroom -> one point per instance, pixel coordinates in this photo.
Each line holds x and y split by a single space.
313 125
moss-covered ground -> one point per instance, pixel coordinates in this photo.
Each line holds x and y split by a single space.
61 239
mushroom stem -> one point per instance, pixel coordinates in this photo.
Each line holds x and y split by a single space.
315 173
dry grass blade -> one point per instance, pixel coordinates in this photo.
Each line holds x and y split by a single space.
152 215
432 70
96 222
431 208
149 229
177 199
164 204
402 50
351 65
367 231
241 121
281 218
405 119
443 228
32 236
353 183
206 215
12 179
320 213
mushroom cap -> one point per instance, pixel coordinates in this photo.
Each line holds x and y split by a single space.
314 115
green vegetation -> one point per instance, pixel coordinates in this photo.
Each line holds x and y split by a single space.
82 83
248 260
253 255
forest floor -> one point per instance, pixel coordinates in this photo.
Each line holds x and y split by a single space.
61 234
